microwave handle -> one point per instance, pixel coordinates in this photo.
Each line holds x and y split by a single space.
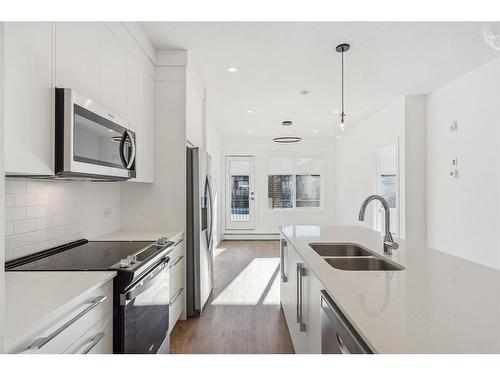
127 134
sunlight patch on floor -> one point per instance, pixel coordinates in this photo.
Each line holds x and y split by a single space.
218 251
253 285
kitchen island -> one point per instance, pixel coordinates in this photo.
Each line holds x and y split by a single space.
439 303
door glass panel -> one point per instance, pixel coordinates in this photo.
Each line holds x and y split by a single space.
97 140
240 198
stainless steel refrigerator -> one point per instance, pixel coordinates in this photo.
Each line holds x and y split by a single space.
199 233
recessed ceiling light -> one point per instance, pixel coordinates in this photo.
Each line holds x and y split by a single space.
249 111
249 131
232 69
315 131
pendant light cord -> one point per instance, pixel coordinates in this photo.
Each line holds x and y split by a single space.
342 85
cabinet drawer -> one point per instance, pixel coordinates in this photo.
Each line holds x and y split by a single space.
56 335
97 340
176 309
177 273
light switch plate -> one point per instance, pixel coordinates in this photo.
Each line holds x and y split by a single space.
454 173
454 162
454 126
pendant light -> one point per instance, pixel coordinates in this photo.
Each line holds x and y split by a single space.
287 139
341 48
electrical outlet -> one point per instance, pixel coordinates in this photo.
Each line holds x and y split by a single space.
454 126
107 212
454 173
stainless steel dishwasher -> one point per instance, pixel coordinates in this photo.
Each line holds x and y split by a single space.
337 334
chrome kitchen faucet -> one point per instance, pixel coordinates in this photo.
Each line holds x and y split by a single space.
389 243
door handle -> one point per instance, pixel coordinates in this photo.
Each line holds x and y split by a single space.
300 297
283 246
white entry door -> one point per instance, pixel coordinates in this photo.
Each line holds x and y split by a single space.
240 192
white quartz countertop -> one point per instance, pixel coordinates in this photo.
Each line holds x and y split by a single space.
130 235
48 291
438 304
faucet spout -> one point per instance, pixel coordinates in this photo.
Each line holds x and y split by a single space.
389 243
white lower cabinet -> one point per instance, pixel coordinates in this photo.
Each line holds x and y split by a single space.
83 326
177 284
300 301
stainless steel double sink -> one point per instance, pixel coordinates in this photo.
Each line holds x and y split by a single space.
353 257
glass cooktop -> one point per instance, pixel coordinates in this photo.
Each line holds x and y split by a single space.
90 256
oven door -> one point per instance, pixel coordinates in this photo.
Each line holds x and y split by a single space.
145 312
91 141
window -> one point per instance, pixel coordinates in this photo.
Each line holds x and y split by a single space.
280 191
294 191
307 191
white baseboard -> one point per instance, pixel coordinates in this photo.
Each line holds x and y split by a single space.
251 236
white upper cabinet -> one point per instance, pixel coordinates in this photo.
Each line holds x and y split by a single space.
87 57
194 112
29 98
77 57
140 99
112 73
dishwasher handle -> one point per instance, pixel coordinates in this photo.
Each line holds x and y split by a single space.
337 334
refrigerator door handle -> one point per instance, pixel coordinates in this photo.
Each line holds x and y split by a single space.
210 208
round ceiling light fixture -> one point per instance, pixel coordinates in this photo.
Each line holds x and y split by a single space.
232 69
287 139
491 34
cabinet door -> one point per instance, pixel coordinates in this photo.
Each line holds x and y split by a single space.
29 100
289 294
112 73
147 138
194 112
311 305
77 57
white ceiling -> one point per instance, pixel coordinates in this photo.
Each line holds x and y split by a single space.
276 60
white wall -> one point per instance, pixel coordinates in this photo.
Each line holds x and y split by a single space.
463 213
268 220
213 145
43 214
401 123
356 162
161 206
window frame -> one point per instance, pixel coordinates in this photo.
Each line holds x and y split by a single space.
321 206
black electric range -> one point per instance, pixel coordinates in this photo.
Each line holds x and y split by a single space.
140 291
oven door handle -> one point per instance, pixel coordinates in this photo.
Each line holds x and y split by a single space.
144 284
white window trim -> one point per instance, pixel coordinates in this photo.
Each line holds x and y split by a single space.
295 209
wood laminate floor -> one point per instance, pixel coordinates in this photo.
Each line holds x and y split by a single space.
243 314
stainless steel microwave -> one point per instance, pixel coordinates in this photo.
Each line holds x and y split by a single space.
91 142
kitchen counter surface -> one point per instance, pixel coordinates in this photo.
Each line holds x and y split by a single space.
130 235
438 304
48 291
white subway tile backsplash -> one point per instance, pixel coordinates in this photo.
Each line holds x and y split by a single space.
9 200
15 186
37 211
15 213
9 229
26 199
12 242
43 214
24 226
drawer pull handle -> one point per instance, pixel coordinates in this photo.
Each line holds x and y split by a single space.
42 341
175 296
342 346
176 261
94 340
